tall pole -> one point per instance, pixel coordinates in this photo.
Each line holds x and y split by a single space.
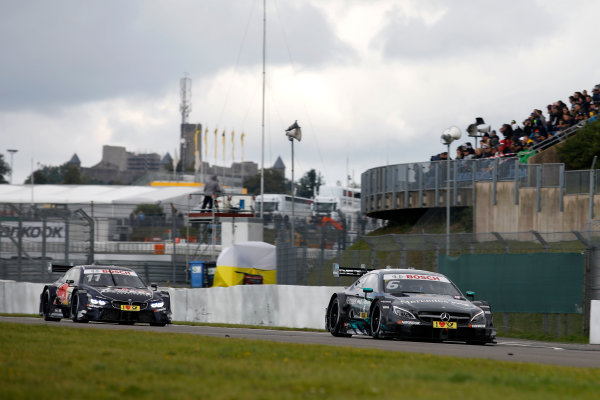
12 153
293 195
448 202
262 152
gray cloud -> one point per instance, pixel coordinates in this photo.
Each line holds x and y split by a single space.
467 27
65 52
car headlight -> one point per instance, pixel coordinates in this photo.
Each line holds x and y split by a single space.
98 302
158 304
478 318
402 313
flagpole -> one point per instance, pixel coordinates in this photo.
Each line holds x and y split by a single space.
262 152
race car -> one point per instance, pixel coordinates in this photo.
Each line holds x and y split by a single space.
407 304
105 294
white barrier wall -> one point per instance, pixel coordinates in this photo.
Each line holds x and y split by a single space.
595 322
267 305
20 297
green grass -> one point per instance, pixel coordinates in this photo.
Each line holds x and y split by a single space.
41 361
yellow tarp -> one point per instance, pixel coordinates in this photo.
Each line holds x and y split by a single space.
231 276
248 257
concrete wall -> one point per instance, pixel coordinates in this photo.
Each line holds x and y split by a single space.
268 305
595 322
506 216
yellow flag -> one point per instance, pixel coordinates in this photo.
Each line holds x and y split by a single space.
206 143
216 131
242 141
223 135
232 147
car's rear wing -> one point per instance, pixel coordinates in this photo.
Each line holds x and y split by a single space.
59 267
350 271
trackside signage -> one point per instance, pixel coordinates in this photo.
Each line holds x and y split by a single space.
33 231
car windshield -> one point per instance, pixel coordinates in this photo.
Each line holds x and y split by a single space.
113 277
423 284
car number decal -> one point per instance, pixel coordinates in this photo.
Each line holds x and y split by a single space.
444 325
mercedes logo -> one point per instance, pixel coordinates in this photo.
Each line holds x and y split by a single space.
445 317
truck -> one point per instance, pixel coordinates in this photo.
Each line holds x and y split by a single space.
279 206
341 204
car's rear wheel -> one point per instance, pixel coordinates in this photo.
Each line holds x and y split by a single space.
334 319
376 322
75 306
46 304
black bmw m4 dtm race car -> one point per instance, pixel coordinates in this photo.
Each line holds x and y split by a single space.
106 294
409 304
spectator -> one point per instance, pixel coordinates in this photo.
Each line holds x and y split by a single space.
494 139
211 189
596 95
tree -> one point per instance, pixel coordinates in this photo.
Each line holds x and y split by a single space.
148 209
579 150
72 175
309 183
4 169
68 174
274 183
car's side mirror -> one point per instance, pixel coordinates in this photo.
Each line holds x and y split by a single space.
367 290
154 286
70 282
470 295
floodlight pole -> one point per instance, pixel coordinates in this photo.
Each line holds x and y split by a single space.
448 200
293 195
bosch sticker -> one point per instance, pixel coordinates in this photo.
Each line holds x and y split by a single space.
109 271
416 277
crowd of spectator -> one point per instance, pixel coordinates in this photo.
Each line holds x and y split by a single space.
518 140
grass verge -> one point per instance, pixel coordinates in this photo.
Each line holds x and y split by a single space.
37 361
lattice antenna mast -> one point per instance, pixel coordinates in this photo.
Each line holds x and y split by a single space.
185 86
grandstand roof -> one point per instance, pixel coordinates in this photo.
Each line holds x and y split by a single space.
99 194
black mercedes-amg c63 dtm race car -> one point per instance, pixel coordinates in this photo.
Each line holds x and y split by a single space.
106 294
410 304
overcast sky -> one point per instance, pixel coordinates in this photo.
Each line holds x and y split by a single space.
370 82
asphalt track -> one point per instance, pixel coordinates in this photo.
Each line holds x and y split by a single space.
515 350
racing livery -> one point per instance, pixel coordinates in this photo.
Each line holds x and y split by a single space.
407 303
105 294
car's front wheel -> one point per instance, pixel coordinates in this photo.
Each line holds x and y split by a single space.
376 322
75 308
334 319
46 307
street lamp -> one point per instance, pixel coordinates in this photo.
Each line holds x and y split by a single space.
473 130
450 135
293 132
12 153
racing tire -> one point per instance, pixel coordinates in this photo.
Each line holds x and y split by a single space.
334 319
75 308
376 322
157 324
46 308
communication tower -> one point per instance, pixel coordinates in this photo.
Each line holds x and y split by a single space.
185 86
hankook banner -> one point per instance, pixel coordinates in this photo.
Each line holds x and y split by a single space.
33 231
